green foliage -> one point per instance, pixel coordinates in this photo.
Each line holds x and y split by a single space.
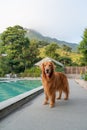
83 61
59 69
65 60
34 51
14 43
85 76
31 72
66 48
21 53
42 44
83 46
50 50
4 67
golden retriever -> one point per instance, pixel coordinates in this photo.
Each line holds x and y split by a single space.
53 81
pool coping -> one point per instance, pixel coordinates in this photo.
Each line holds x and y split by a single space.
19 78
8 106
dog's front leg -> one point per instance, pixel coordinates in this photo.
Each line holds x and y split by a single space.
46 99
52 100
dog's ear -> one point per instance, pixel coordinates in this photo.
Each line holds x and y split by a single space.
42 66
54 66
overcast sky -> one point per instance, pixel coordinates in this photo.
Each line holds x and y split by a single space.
61 19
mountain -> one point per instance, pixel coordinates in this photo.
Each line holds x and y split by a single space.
32 34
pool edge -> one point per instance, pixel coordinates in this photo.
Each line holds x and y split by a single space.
8 106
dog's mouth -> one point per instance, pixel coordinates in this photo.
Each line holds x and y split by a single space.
48 72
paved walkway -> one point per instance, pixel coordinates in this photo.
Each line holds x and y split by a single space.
82 83
66 115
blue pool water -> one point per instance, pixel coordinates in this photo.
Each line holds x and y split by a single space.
11 89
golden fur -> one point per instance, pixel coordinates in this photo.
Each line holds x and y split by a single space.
53 81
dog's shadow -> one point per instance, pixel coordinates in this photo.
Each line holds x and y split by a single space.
62 102
71 103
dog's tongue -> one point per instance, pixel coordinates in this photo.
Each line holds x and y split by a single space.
47 74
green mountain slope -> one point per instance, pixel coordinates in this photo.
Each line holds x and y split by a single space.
32 34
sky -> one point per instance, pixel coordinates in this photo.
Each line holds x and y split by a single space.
61 19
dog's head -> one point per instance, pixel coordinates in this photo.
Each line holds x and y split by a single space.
47 68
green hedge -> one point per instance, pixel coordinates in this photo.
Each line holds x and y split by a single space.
85 76
31 72
59 69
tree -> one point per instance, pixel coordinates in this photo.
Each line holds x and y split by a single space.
66 48
65 60
83 46
31 54
42 44
15 43
50 50
4 67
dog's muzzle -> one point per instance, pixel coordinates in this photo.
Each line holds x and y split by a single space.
48 72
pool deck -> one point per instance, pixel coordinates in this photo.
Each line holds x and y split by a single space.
66 115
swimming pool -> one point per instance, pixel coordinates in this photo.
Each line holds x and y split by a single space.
11 89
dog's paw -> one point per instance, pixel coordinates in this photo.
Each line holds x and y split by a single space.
58 98
51 105
65 98
45 103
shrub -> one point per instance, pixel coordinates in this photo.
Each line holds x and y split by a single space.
31 72
2 73
85 76
59 69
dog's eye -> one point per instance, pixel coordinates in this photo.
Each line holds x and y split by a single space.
49 65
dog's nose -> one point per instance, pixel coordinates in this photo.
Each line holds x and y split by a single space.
47 71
